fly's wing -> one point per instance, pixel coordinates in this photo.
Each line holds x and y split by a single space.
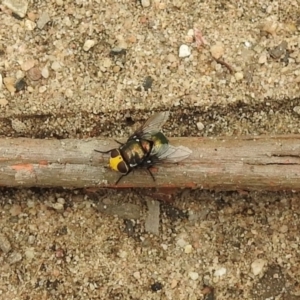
152 125
171 154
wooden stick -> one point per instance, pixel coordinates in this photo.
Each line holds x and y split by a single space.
223 163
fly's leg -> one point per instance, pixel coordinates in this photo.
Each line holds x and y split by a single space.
119 142
151 174
122 177
103 152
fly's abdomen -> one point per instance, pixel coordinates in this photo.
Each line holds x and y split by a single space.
133 153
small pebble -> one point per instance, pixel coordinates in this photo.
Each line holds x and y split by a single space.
193 275
270 25
29 25
284 229
42 89
145 3
257 266
220 272
137 275
262 58
34 74
88 45
217 50
1 82
55 66
239 76
59 2
15 210
14 258
296 109
181 243
20 84
45 72
184 51
27 65
19 7
188 249
9 83
43 20
200 125
5 245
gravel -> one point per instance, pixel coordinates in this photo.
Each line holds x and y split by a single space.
93 69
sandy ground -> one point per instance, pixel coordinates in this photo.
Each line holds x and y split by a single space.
82 69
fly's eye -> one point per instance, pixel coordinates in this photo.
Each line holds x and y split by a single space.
114 153
122 167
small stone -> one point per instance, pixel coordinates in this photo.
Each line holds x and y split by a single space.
55 65
191 32
29 253
27 65
200 125
20 85
5 245
278 51
257 266
296 109
43 20
181 243
220 272
19 127
217 50
19 7
88 45
31 239
239 76
171 58
262 58
58 206
45 72
107 62
1 82
184 51
188 249
137 275
270 25
42 89
59 2
34 74
193 275
174 283
3 102
145 3
29 25
284 229
9 83
14 258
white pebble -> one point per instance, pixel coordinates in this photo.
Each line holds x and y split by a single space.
29 25
137 275
188 249
55 66
296 109
193 275
45 72
257 266
145 3
42 89
220 272
200 125
184 51
88 45
181 243
239 76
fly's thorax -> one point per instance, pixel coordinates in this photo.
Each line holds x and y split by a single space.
117 162
133 153
159 138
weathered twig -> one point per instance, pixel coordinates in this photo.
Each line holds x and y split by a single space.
223 163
